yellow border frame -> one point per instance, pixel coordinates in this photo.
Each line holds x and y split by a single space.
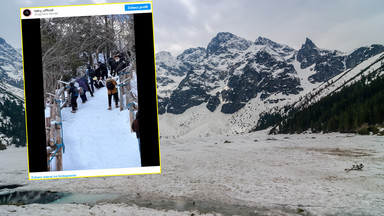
157 106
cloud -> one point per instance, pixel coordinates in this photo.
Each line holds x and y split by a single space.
329 24
179 25
99 1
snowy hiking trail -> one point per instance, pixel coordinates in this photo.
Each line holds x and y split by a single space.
97 138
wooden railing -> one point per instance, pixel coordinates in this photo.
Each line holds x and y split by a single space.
53 123
127 99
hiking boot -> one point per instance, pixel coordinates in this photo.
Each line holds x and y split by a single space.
117 106
73 111
109 108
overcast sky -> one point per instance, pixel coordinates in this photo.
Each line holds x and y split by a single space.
181 24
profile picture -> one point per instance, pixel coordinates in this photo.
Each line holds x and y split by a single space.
27 12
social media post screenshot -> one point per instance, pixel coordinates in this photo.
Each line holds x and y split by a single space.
90 90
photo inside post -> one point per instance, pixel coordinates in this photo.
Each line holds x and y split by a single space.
90 90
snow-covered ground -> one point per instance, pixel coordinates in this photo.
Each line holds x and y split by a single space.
243 174
97 138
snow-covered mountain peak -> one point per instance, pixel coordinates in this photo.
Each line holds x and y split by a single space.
308 44
163 55
2 41
192 55
165 58
168 65
267 42
224 42
279 51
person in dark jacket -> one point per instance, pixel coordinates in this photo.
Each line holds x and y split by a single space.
135 128
121 63
104 70
97 78
74 94
97 71
112 91
113 64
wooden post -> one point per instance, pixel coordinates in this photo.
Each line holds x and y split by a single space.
49 155
59 162
129 99
121 93
52 126
62 87
53 131
47 127
122 90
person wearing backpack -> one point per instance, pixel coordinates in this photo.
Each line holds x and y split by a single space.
112 90
74 94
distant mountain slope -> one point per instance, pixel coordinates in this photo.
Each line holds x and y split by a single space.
371 68
12 121
11 65
244 80
357 107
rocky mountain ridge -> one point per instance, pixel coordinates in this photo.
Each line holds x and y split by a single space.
242 78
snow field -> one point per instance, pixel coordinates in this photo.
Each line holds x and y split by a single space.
270 175
97 138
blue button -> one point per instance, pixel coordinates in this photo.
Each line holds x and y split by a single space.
135 7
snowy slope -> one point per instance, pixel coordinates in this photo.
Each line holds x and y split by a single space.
11 65
96 138
346 78
249 174
11 91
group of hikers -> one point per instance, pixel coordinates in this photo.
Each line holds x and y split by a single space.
97 77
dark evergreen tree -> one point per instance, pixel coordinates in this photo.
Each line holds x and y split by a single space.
357 107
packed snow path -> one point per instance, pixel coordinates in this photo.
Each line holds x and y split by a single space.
97 138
